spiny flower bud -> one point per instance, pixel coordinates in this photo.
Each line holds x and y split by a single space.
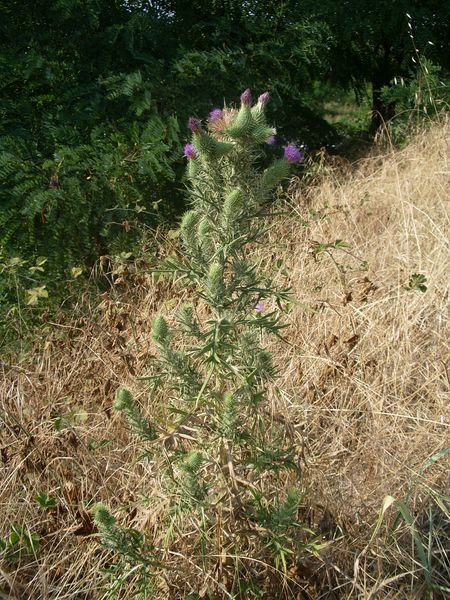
248 343
215 281
264 99
275 174
261 133
195 125
229 415
258 110
188 229
271 140
209 148
292 154
102 517
243 124
124 399
232 206
192 169
160 330
185 313
246 97
204 228
205 238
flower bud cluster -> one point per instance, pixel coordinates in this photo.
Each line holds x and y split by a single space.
248 127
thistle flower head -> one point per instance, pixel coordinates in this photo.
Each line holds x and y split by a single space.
292 154
259 307
246 97
215 115
271 140
264 99
195 125
189 151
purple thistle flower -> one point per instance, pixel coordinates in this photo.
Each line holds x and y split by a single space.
259 307
246 97
189 151
271 140
264 99
292 154
195 125
215 115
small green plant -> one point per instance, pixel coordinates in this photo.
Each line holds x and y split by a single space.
45 501
417 283
429 532
224 464
71 418
325 247
137 558
21 542
21 284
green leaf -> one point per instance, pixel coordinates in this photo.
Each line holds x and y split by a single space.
34 294
417 283
44 500
71 419
76 272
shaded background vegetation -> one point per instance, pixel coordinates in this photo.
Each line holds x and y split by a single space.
95 95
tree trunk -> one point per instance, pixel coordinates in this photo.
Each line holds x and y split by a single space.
381 112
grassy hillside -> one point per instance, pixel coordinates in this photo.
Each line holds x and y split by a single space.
365 380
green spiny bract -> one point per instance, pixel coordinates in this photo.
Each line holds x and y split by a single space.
161 332
192 169
259 117
285 515
102 517
215 283
205 231
192 490
205 228
193 462
275 174
232 208
188 229
124 399
262 133
228 421
243 124
209 148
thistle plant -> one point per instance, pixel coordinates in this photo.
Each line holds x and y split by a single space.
225 464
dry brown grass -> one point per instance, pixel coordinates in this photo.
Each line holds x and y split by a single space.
365 383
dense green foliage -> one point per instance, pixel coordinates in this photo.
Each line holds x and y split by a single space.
94 92
374 42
